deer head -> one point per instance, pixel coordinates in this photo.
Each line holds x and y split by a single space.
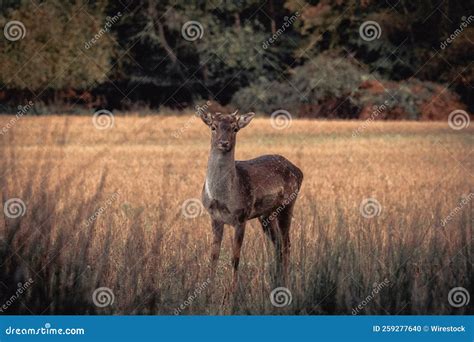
224 128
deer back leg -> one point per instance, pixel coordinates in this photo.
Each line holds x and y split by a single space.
284 224
268 228
271 228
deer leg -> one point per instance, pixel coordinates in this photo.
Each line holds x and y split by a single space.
267 228
218 231
284 222
271 228
236 247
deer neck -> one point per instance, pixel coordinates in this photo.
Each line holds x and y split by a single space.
221 175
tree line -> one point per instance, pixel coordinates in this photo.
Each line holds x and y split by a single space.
316 58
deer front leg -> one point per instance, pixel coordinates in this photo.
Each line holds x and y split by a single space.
218 231
236 248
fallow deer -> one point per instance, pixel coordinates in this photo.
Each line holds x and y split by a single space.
237 191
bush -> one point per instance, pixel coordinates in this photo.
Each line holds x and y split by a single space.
264 96
315 89
335 87
325 77
409 100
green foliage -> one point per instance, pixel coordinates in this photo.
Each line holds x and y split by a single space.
52 53
328 86
321 78
410 37
327 77
265 96
223 58
246 52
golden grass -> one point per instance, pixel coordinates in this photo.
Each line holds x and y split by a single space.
153 258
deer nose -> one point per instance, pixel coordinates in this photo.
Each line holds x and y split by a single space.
224 145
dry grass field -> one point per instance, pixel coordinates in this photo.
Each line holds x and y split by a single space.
103 208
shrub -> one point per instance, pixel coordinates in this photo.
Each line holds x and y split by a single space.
410 100
265 96
325 77
335 87
316 88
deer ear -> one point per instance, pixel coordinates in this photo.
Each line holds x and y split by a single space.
245 119
206 118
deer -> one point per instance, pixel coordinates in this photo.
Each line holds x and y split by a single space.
234 192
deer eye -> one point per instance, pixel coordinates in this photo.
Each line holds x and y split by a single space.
213 128
236 129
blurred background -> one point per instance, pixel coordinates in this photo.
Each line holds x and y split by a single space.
321 59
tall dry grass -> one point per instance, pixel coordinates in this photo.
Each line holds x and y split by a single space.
103 209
